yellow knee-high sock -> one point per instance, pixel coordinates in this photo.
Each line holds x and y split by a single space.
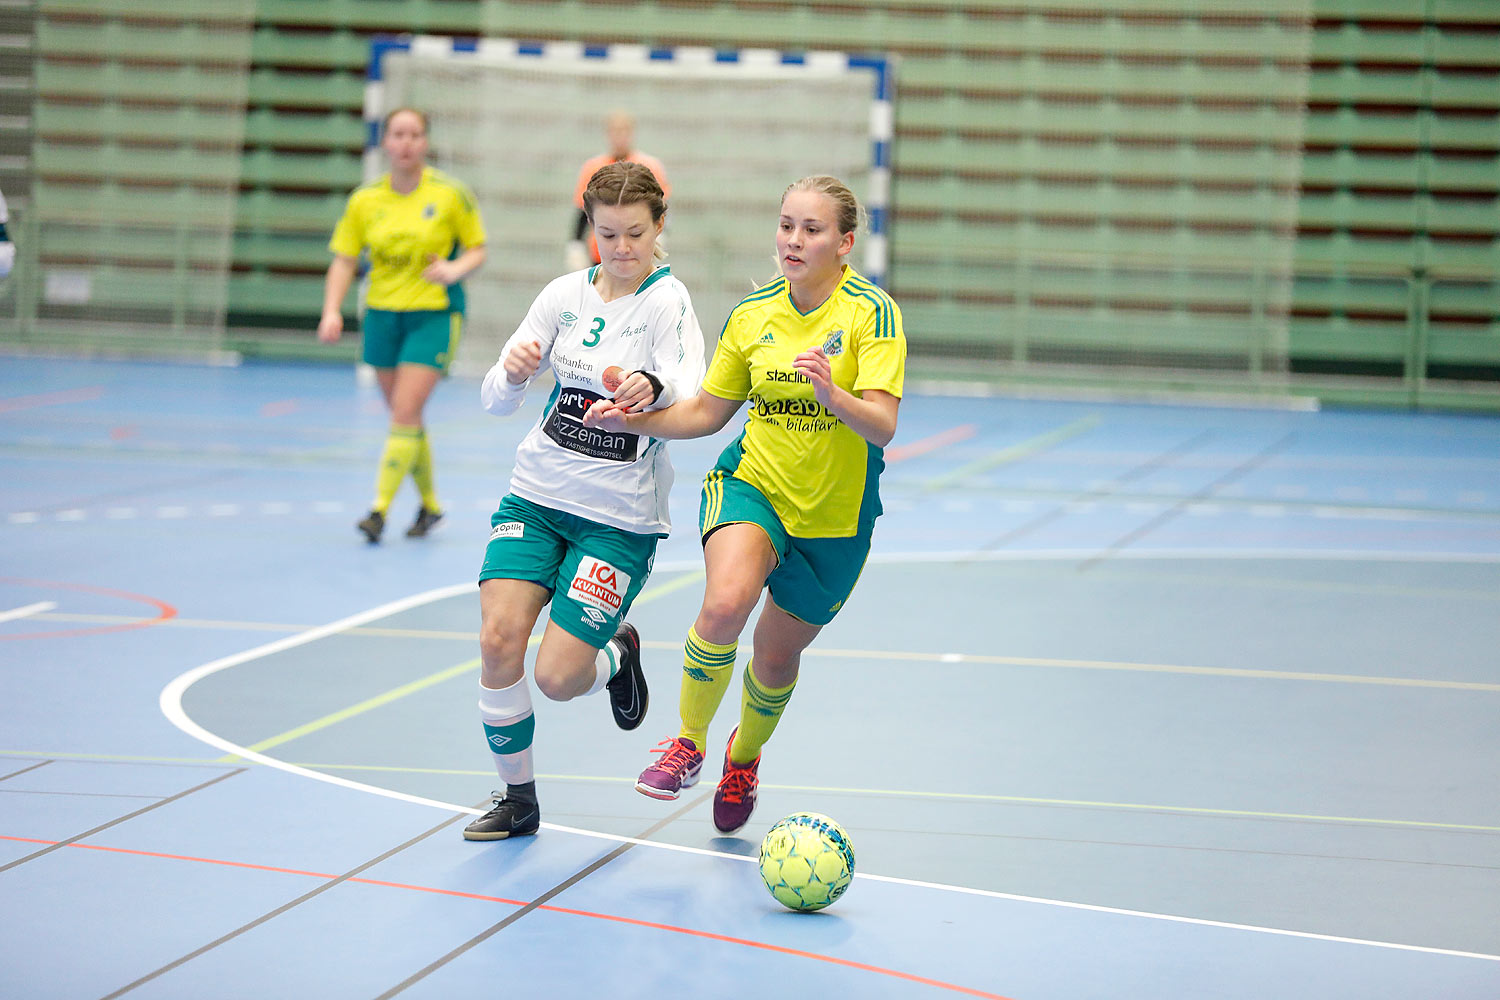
760 710
706 670
402 446
421 474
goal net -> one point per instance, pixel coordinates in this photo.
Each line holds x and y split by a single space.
516 121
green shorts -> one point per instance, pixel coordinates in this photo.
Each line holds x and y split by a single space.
592 571
813 576
419 337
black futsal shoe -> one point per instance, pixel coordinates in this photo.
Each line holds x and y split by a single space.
627 688
425 522
509 818
372 526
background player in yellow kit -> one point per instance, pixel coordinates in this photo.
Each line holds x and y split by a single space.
821 355
424 235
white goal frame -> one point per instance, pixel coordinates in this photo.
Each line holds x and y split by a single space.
875 261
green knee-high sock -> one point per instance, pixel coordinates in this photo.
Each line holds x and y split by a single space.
706 670
402 445
760 710
421 475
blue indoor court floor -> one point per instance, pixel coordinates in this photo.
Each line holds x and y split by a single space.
1132 701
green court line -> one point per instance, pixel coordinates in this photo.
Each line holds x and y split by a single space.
1014 453
1147 807
1155 668
656 593
874 654
1120 571
967 797
358 709
823 789
646 596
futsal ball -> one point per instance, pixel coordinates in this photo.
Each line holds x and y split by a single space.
806 861
612 377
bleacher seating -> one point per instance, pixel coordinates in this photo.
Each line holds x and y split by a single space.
1190 184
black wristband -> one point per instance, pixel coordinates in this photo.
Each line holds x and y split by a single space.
655 384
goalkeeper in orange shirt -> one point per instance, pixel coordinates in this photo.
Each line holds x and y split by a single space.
619 130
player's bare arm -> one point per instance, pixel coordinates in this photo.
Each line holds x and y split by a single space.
700 416
335 287
635 393
522 361
449 272
872 416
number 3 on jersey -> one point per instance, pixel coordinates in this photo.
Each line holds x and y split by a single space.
592 340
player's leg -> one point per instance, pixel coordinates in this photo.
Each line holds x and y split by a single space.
569 667
381 335
812 583
410 353
768 682
521 554
508 609
588 645
737 559
433 343
738 554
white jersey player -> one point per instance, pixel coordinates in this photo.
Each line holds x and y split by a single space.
580 525
591 345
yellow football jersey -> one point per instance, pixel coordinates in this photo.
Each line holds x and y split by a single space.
401 230
820 476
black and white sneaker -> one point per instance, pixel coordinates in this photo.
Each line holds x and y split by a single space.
627 688
425 522
372 526
509 818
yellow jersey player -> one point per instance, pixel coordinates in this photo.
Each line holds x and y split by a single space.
820 355
424 235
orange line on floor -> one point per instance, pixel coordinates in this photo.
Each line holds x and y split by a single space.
51 398
568 911
933 442
165 610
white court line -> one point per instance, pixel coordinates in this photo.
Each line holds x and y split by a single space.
170 702
1186 555
27 611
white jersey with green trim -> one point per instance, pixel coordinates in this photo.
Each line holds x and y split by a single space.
617 479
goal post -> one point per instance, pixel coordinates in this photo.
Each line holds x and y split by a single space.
516 120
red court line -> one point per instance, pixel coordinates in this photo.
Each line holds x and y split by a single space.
279 408
51 398
952 435
165 610
591 914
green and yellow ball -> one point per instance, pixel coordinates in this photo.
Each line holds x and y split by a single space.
806 861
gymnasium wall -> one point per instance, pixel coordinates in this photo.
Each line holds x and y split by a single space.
1293 196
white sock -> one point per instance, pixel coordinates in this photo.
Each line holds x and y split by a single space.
606 665
508 729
